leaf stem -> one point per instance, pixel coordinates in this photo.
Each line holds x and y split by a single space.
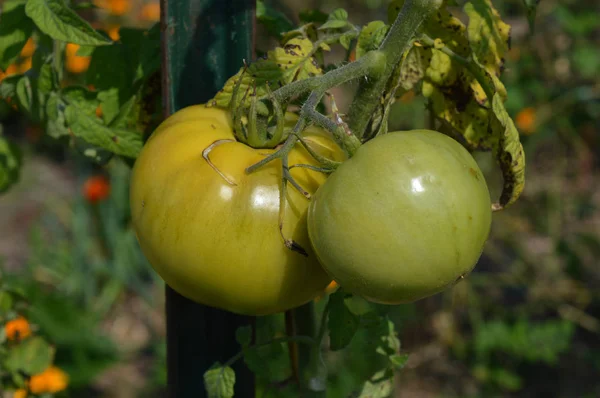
299 339
367 65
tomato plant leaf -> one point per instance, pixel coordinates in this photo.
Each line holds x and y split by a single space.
47 78
31 356
283 65
219 381
509 153
24 93
342 323
488 35
10 165
8 86
109 104
149 57
56 127
119 141
57 20
80 97
85 51
274 21
338 19
398 360
346 38
370 37
312 15
15 30
379 386
390 344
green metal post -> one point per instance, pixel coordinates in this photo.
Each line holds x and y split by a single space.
203 43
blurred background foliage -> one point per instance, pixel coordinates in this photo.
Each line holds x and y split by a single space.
526 323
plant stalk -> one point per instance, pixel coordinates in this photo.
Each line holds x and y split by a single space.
396 43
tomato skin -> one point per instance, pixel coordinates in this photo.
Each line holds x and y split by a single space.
403 219
214 242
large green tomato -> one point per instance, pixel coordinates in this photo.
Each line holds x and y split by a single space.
210 230
404 218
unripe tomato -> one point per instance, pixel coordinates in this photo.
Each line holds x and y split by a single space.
210 230
404 218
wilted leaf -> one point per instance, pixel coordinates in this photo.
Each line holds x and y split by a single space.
509 153
282 66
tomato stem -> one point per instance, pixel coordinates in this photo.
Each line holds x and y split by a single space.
396 43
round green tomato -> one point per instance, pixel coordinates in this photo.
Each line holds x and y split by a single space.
404 218
210 230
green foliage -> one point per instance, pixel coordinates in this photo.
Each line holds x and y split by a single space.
121 91
219 381
56 19
32 356
274 21
343 324
10 161
15 29
524 340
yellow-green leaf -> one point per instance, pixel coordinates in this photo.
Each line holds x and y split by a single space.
219 381
282 66
509 153
488 35
371 37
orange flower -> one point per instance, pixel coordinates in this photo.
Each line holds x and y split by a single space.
75 63
150 12
28 49
332 287
17 329
114 7
51 380
113 32
96 188
525 121
20 393
11 70
25 65
352 56
99 111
